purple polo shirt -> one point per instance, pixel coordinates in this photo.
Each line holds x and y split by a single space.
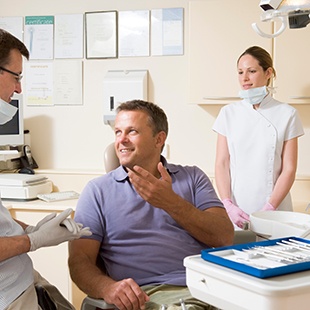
138 240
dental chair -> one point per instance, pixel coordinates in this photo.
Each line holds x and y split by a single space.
93 304
90 303
244 236
111 162
110 159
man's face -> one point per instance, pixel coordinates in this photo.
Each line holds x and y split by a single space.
135 143
10 84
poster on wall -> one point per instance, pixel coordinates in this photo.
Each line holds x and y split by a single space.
39 83
68 82
167 31
101 34
134 33
69 31
13 24
39 36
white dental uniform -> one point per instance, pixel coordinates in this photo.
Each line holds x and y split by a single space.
16 273
255 142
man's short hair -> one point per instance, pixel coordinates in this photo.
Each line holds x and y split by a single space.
157 117
7 43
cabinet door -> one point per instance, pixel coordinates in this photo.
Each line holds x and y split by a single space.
292 50
219 31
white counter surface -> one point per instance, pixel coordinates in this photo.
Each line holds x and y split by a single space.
38 205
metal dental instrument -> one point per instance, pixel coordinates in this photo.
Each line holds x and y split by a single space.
272 255
163 307
303 244
183 304
285 254
295 246
250 262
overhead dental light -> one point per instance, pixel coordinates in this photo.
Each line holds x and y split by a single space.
295 13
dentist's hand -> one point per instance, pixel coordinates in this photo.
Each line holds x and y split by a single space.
236 215
29 229
57 230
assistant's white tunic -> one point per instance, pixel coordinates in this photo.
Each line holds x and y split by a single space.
255 141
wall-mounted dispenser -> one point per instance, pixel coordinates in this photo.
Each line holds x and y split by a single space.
120 86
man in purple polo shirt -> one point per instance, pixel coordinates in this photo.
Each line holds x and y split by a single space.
145 216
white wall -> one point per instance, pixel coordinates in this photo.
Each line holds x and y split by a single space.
74 138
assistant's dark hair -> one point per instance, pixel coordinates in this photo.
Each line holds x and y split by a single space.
157 117
262 56
7 43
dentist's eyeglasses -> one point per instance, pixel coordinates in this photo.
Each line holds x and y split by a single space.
17 75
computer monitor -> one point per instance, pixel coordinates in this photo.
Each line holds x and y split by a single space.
12 133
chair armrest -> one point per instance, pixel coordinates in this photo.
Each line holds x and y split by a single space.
244 236
90 303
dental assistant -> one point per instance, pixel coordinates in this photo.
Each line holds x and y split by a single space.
257 144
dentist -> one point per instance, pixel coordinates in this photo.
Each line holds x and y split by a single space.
256 155
18 279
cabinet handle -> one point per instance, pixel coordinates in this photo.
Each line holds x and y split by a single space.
300 97
221 98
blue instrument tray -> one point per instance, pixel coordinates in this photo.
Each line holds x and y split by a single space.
226 256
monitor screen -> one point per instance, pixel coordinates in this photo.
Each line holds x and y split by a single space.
12 133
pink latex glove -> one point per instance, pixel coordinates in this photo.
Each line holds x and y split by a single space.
236 215
268 207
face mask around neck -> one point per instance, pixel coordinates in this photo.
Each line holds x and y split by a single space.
7 112
253 95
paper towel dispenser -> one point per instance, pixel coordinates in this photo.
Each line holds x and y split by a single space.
120 86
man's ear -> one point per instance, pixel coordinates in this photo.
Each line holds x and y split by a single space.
161 139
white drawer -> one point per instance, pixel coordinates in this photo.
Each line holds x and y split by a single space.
232 290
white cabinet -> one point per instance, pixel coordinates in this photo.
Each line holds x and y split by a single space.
292 50
219 31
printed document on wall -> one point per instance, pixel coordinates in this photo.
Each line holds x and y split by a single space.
134 38
69 36
68 82
13 24
39 36
101 34
167 31
39 83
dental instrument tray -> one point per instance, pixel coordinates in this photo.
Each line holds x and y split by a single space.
263 259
